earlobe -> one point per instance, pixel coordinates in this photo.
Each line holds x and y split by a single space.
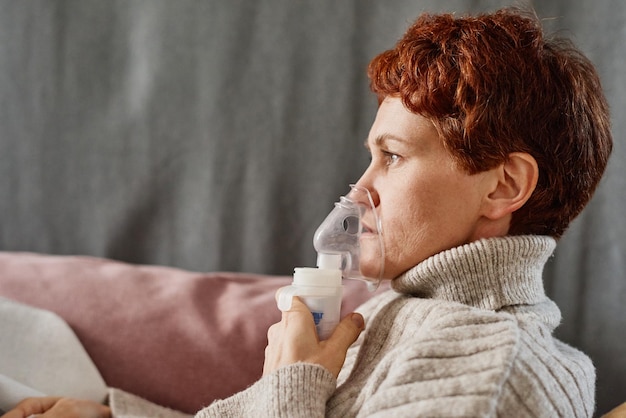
516 181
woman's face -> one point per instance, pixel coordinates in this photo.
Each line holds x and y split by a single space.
426 203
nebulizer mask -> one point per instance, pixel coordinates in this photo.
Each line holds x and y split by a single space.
349 244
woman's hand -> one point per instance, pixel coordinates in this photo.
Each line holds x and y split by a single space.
53 407
294 339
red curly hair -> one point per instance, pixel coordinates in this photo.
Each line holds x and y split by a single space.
493 85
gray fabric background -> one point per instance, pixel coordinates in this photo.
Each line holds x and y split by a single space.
215 135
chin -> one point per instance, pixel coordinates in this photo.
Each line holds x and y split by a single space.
371 266
371 260
371 273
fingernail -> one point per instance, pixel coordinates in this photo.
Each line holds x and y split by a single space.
357 319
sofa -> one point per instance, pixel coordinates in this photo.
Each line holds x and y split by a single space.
177 338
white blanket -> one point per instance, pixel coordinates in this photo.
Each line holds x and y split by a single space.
41 355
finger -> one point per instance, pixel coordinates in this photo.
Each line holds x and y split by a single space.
273 331
298 313
347 331
617 412
32 406
277 294
78 408
277 298
297 305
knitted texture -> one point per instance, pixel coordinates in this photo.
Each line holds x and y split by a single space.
467 332
126 405
300 390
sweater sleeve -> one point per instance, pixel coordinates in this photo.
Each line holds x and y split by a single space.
298 390
126 405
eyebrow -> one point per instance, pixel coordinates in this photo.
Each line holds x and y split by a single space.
381 139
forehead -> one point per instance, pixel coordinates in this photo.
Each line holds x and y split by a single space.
395 123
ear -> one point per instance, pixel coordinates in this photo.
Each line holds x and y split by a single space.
515 181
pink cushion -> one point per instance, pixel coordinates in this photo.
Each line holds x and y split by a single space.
177 338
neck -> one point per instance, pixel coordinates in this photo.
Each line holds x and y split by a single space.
489 273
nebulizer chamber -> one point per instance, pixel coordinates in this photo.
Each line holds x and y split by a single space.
338 244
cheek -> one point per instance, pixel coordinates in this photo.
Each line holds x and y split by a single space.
419 227
405 238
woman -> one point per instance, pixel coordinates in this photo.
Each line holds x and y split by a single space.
488 141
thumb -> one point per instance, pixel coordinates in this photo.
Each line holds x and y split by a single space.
347 331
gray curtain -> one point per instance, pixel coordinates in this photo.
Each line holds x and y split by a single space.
215 135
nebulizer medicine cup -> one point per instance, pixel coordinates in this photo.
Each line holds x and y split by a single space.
350 231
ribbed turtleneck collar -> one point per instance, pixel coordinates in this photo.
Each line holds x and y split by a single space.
488 274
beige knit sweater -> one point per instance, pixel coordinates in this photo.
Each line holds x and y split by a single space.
466 333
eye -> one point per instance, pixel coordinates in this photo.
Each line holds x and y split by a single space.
390 158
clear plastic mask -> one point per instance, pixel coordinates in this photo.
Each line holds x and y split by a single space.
353 223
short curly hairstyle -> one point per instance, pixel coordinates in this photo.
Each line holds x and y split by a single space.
492 84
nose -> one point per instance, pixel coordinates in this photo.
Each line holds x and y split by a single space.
365 182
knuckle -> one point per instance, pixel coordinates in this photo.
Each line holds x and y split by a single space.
272 331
